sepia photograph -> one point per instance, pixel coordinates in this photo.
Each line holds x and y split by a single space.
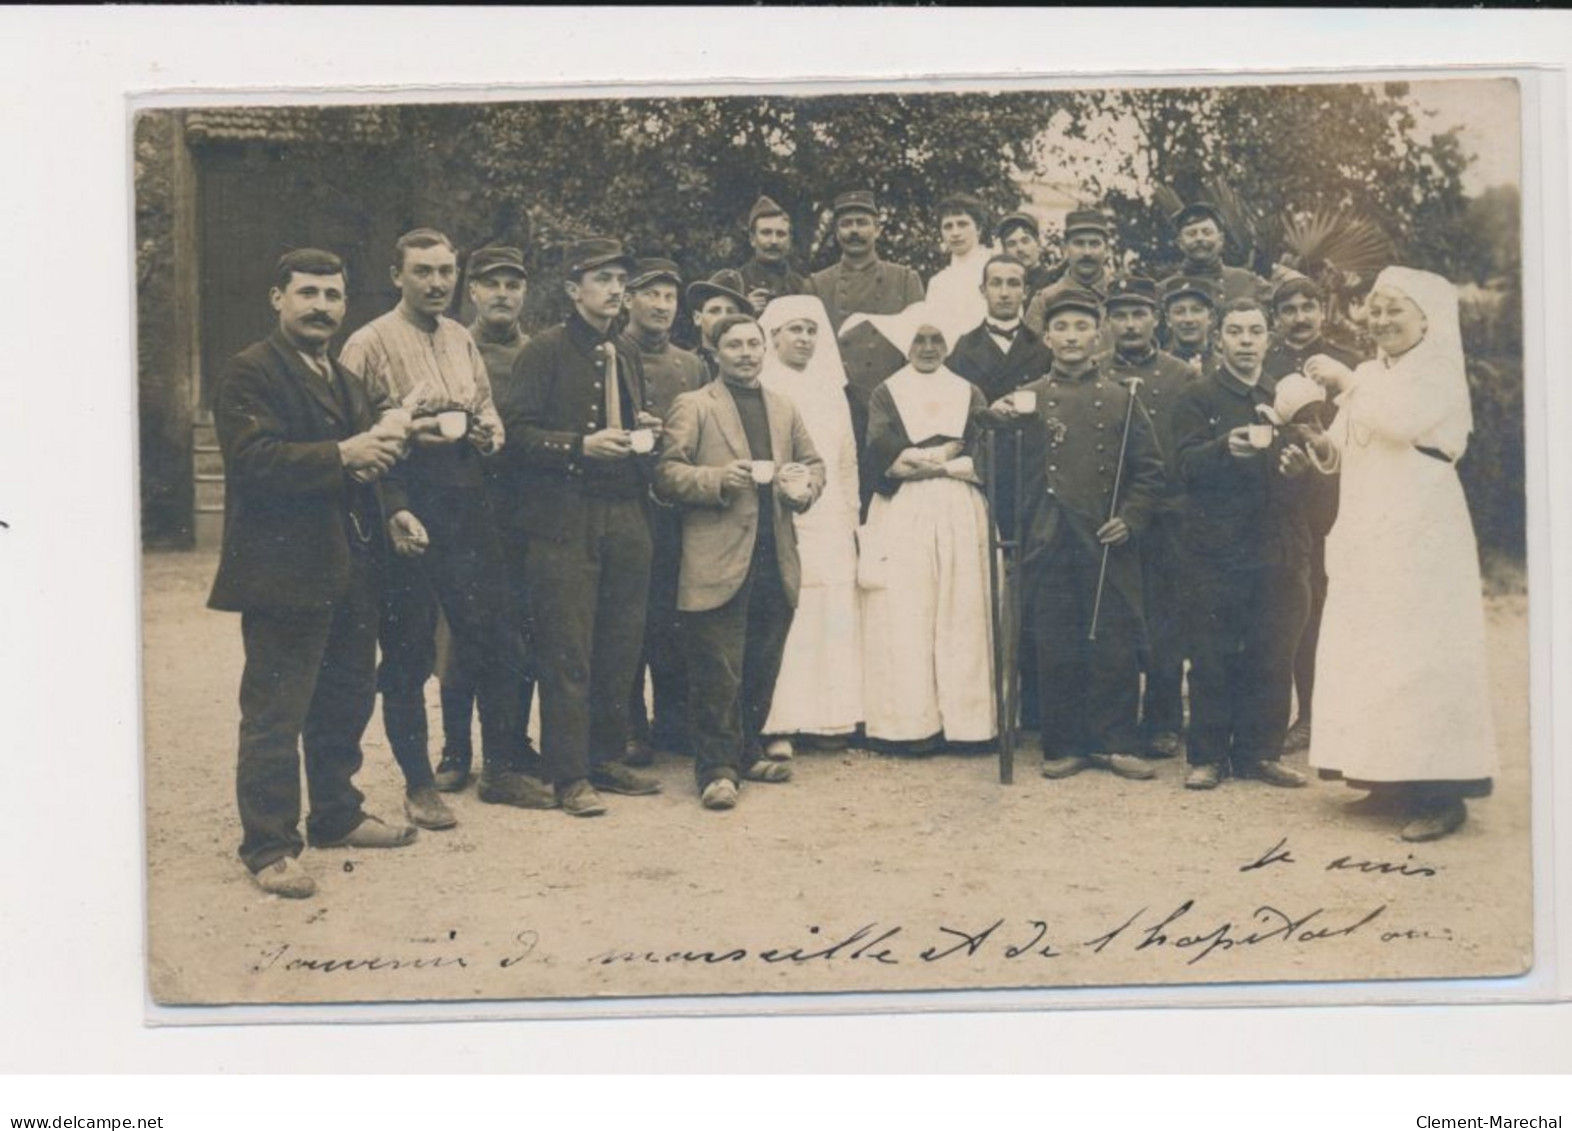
833 540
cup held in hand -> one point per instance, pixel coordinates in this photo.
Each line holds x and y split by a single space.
763 471
1260 436
453 424
641 441
1024 402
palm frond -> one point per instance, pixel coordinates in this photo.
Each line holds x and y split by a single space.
1167 201
1336 239
1237 215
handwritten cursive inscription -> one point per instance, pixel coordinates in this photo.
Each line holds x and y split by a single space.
1279 854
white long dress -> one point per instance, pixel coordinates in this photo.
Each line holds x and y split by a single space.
1402 679
927 629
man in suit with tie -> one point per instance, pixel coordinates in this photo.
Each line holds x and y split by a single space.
738 459
300 562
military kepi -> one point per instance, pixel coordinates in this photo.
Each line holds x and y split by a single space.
1200 210
489 260
1179 286
648 271
596 251
1132 289
1087 220
858 200
1072 298
1018 220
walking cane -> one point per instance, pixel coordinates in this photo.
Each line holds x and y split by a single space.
1113 504
1004 585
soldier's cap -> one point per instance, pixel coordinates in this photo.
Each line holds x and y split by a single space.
489 260
596 251
1072 298
1297 284
858 200
1179 286
1132 289
1018 220
762 207
726 283
1200 210
1087 220
648 271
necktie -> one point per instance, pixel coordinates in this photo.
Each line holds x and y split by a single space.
613 394
1003 331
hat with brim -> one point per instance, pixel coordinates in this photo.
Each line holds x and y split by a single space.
1188 286
596 252
1200 210
1087 220
725 284
1297 284
1018 220
490 260
858 200
1131 290
1072 298
648 271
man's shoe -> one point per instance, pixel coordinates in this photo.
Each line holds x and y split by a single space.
1164 744
373 832
453 772
1125 766
1203 777
719 794
579 799
779 750
425 809
525 761
1275 773
286 877
1066 767
1297 738
518 790
1436 822
638 753
614 777
766 771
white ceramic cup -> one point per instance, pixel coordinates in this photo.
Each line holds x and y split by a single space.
453 423
1024 401
642 441
763 471
1260 436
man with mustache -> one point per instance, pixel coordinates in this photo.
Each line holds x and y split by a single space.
584 442
1201 237
739 462
769 273
1248 536
862 283
1299 313
448 554
1088 267
305 457
1189 317
1132 316
497 287
669 371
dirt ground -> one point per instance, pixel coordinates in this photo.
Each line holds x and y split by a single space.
866 873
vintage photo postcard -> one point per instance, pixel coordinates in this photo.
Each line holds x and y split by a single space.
834 540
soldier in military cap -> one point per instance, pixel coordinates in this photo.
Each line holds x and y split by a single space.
584 448
1201 236
768 274
1132 316
862 283
1088 683
1189 319
1019 236
669 371
1088 265
1299 320
710 300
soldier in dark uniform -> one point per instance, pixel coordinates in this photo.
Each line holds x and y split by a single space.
669 371
1189 320
1299 318
576 411
1088 688
769 273
1019 236
710 300
1088 266
1248 533
1132 315
1201 236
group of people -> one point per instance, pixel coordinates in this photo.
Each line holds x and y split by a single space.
793 534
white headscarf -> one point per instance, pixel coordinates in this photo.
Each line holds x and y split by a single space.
824 367
1434 368
930 404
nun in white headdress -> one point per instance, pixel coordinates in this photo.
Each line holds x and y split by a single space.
819 690
923 570
1402 699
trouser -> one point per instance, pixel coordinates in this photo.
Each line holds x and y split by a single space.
1304 656
1088 690
309 682
1164 582
734 657
1247 627
664 655
460 571
590 591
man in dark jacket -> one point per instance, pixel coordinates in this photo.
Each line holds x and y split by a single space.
769 273
300 562
583 444
1249 538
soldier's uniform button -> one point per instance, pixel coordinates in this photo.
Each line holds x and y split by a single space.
1102 468
1099 447
1053 467
1097 404
1100 426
